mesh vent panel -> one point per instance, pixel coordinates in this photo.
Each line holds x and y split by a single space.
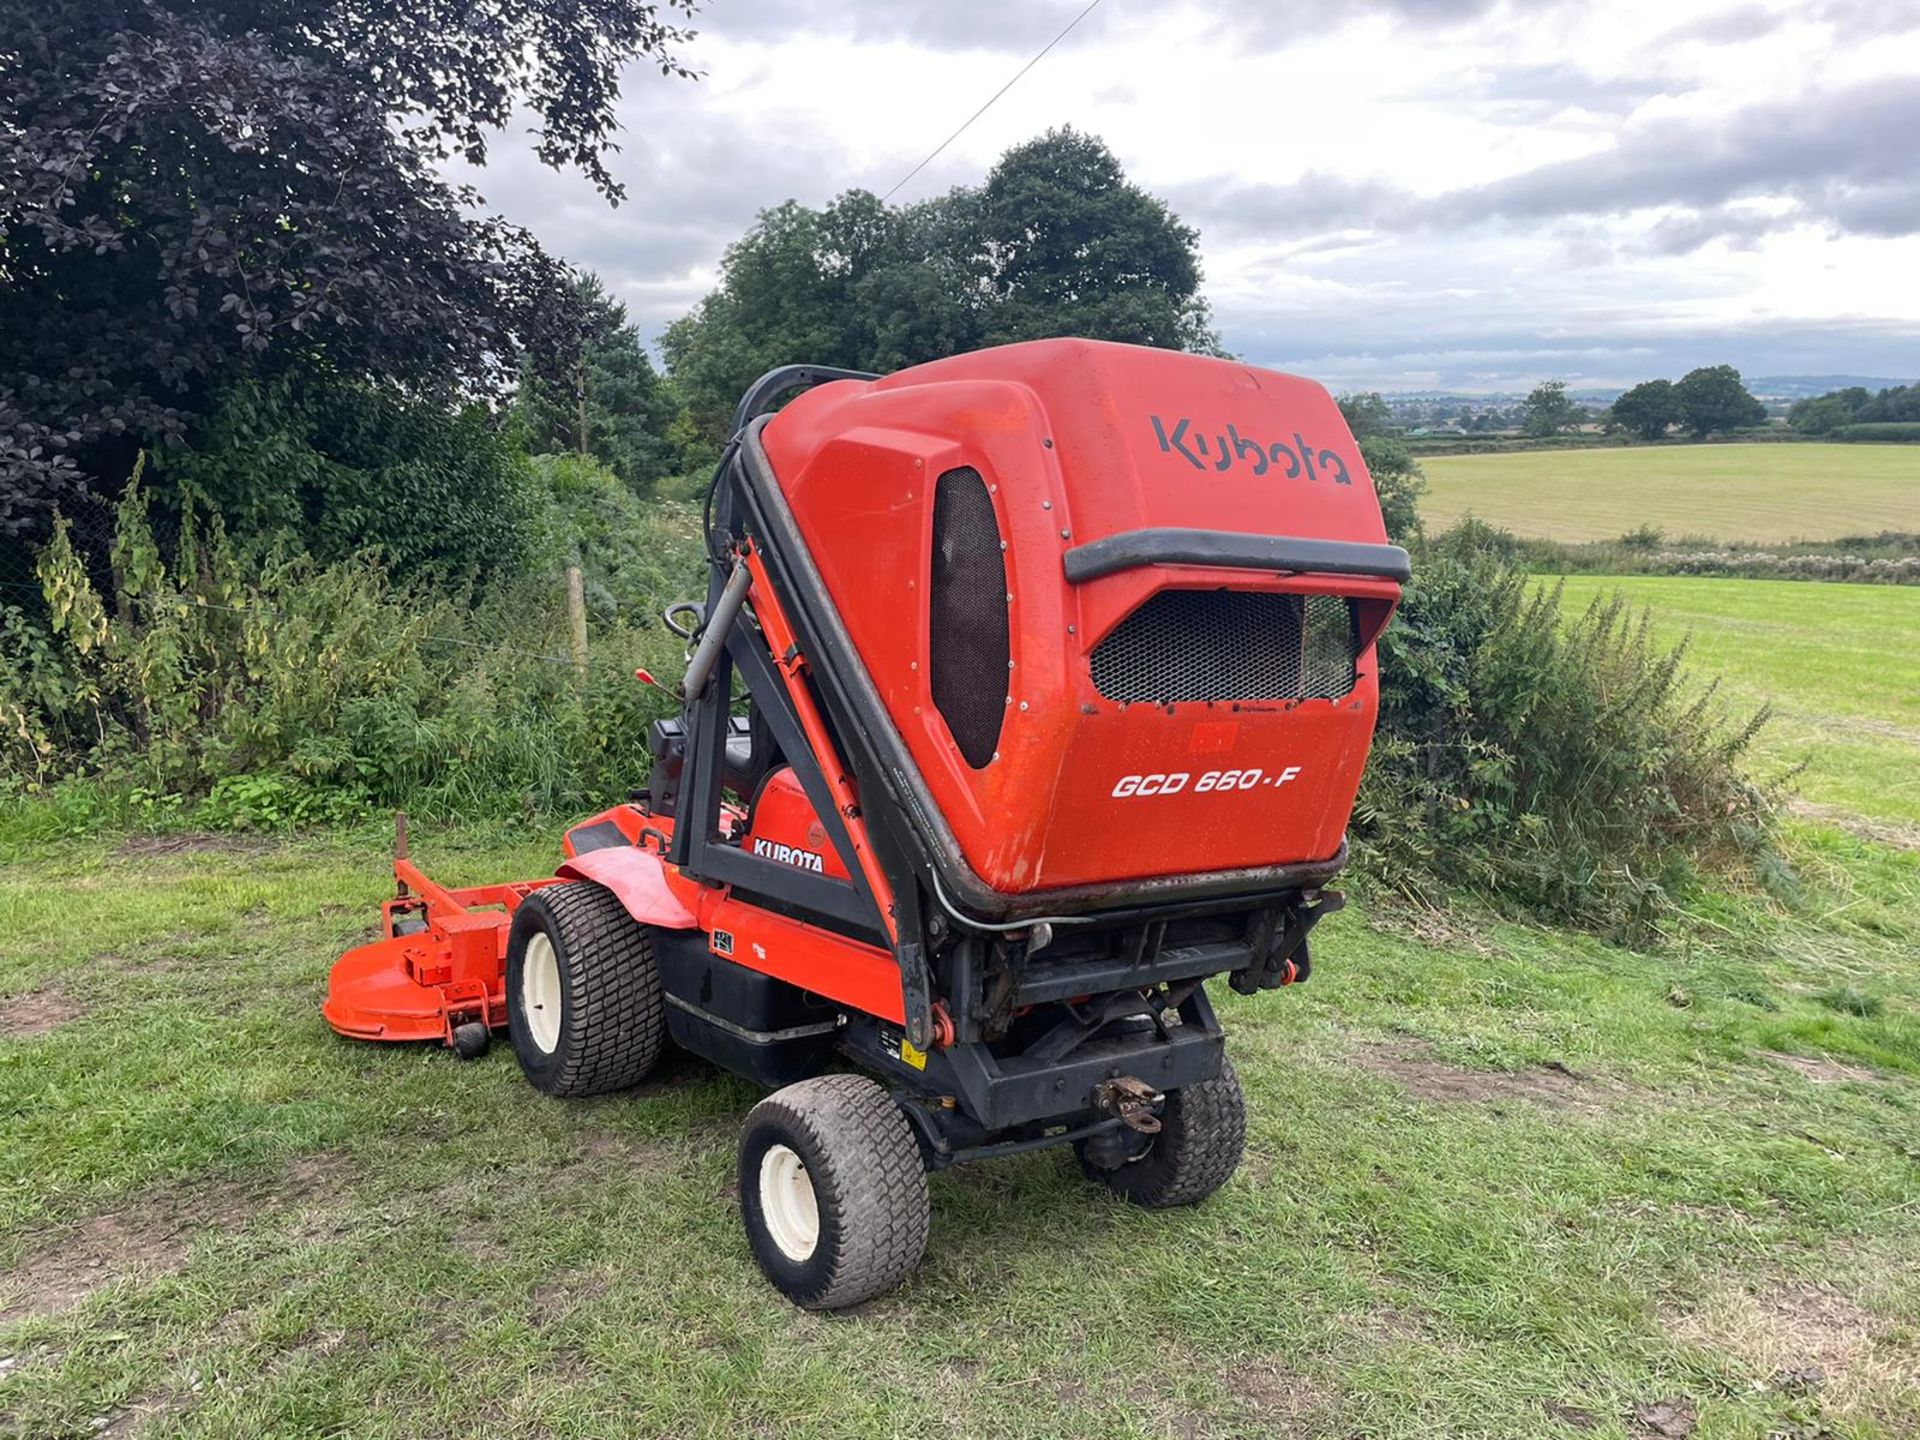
968 660
1229 645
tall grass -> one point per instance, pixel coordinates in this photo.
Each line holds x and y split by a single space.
253 684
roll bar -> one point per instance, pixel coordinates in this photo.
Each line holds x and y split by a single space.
762 394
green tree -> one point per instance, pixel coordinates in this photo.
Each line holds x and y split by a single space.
1057 242
1070 246
1714 398
1820 415
791 292
1900 404
603 399
1366 414
1648 409
1548 410
1399 481
194 193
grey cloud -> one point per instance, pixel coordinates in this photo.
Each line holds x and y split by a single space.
1011 25
1844 157
695 178
1886 210
1682 234
1567 84
1273 24
1743 22
1798 147
1317 202
1026 25
1851 20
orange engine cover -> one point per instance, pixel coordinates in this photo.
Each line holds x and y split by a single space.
1160 719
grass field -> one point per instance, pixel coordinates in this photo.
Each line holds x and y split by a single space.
1770 493
1840 664
1499 1182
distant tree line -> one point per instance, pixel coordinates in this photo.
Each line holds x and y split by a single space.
1839 412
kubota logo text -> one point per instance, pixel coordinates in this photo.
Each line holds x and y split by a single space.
789 855
1224 451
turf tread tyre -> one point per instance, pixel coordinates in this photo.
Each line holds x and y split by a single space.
614 1020
869 1179
1203 1134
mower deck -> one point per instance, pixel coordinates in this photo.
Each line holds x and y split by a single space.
442 966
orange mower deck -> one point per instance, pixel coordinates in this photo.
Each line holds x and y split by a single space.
442 966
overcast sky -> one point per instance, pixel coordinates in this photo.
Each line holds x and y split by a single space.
1394 194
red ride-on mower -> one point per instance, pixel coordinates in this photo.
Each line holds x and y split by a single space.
1059 674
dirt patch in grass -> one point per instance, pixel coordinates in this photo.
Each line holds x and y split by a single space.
1663 1420
37 1012
153 1235
131 1419
1408 919
1822 1071
1286 1402
1803 1338
82 1258
1425 1077
193 842
1571 1416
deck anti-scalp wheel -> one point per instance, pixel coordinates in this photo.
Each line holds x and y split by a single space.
1202 1135
583 994
833 1191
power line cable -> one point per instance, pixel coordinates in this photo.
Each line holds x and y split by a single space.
1094 5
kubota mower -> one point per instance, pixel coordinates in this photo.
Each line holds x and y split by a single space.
1030 692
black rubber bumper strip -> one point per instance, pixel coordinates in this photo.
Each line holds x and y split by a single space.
1233 550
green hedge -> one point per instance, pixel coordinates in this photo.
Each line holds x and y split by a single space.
1901 430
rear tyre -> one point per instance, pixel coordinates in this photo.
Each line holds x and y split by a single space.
584 1006
1203 1133
833 1192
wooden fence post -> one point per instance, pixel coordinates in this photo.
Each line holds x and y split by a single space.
577 619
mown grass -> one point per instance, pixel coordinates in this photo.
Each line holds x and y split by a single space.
1839 664
1499 1182
1766 493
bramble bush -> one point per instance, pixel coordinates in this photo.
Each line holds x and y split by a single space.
1560 766
267 687
345 467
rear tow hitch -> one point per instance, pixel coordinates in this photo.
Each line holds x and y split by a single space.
1133 1102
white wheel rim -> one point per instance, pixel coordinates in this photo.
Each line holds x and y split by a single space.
787 1203
540 993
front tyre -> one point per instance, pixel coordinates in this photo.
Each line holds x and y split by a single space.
1203 1134
833 1192
584 1006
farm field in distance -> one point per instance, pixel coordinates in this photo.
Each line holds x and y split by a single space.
1760 492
